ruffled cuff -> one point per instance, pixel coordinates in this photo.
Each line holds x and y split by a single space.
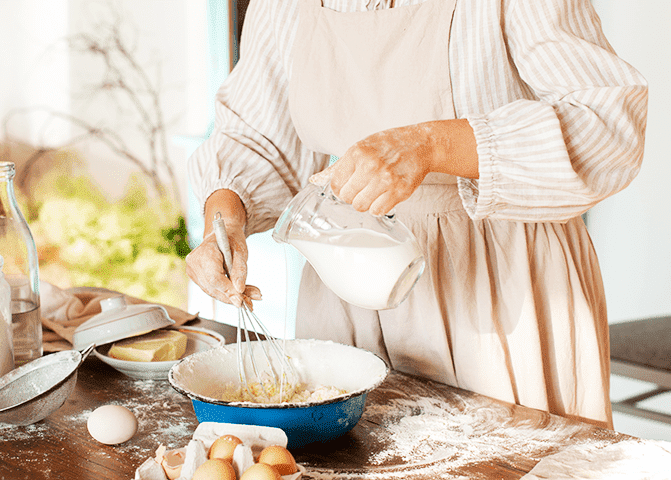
477 195
259 219
227 184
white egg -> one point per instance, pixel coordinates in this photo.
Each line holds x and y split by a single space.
112 424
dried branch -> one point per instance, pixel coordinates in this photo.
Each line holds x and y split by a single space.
126 81
108 137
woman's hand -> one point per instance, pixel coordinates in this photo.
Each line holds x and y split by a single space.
385 168
205 263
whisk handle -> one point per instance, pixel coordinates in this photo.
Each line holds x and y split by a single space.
222 241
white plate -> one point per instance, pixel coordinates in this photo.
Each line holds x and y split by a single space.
198 340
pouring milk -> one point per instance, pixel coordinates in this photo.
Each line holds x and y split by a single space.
362 267
372 262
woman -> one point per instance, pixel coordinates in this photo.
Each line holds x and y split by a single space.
490 126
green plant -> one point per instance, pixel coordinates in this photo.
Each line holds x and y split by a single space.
135 245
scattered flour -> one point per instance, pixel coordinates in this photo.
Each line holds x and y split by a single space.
426 436
168 419
414 432
165 420
9 432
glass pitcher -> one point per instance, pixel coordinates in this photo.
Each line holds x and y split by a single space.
369 261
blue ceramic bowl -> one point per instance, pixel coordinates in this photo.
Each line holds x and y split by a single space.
201 375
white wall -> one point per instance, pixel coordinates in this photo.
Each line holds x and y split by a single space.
34 65
632 230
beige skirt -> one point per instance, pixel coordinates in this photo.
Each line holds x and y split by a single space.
511 310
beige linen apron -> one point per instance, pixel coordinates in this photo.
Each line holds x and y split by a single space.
510 310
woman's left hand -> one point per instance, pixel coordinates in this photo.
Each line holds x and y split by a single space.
382 170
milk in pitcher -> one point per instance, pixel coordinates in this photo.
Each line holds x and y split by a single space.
361 267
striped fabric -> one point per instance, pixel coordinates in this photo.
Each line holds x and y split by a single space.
559 119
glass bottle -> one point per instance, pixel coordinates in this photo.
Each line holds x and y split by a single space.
6 347
21 270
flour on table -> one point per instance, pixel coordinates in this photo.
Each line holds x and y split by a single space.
427 430
425 436
168 420
9 432
162 421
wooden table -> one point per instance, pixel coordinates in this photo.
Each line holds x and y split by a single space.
411 429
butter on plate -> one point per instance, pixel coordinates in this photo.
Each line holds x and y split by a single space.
157 346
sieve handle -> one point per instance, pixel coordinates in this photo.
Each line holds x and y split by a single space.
222 241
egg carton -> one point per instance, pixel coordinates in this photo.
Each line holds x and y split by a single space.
254 440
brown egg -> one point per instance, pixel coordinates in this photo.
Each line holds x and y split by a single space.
223 447
280 458
261 471
215 469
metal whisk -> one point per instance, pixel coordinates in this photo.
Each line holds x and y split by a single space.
274 376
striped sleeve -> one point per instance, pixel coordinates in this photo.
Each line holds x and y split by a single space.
254 149
576 136
559 119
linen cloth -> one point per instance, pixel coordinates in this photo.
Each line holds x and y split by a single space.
63 310
627 460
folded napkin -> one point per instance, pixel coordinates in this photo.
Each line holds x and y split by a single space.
626 460
63 311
